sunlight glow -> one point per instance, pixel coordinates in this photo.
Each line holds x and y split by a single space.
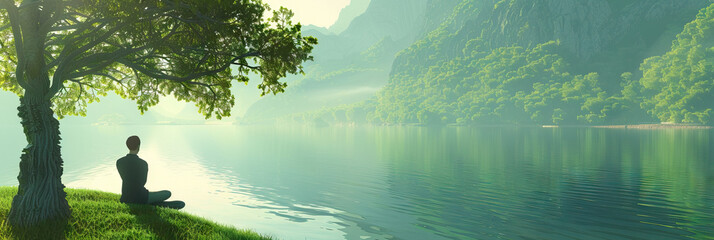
322 13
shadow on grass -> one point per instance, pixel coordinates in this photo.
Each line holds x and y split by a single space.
51 230
148 216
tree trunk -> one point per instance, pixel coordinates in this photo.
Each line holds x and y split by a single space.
40 195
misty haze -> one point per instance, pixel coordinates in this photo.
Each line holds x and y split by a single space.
406 119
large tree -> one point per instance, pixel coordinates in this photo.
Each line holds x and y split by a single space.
60 55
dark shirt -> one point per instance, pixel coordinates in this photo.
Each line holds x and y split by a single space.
133 171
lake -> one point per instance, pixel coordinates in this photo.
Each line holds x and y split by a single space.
412 182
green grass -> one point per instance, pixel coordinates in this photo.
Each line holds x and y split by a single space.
100 215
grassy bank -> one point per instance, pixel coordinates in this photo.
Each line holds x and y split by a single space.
100 215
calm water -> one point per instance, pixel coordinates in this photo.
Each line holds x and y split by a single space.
413 183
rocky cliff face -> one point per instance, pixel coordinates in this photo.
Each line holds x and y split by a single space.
586 27
398 20
605 36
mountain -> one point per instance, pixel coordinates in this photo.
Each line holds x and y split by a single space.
351 11
512 62
312 30
351 66
596 36
531 61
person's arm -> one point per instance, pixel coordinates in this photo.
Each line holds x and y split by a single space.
120 169
143 172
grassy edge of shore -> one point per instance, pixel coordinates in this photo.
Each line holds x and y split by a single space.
100 215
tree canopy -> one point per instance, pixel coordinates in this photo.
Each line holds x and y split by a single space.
60 55
192 49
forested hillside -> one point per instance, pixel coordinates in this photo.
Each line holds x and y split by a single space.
677 86
548 62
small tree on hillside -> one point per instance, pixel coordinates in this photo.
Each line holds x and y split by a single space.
60 55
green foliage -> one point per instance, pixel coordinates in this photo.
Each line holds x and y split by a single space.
499 73
507 84
341 115
677 86
100 215
457 75
141 50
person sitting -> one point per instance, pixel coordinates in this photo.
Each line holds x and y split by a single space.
133 171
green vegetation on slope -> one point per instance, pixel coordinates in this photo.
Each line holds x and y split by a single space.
677 86
100 215
493 63
535 62
503 85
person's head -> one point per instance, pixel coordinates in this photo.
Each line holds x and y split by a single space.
133 144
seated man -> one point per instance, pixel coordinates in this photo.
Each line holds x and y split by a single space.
133 171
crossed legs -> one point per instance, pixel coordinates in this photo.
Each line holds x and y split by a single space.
159 199
160 196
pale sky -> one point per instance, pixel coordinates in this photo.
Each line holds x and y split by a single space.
321 13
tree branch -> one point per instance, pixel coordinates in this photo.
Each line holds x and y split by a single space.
160 75
101 59
69 43
77 25
66 55
81 89
13 14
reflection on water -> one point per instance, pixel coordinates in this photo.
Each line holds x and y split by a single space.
415 183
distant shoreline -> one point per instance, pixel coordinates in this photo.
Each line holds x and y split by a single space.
656 126
623 126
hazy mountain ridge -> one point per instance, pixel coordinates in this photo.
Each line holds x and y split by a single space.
600 39
315 30
539 62
351 66
347 14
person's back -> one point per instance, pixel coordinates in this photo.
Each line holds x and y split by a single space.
133 171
